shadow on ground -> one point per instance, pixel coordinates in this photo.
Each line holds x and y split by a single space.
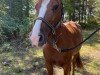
18 58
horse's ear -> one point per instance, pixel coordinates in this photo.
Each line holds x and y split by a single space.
38 5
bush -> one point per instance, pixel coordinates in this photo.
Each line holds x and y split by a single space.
12 28
91 23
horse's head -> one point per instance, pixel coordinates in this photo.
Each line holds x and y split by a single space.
49 15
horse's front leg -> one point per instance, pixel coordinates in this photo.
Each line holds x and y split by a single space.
67 66
67 69
49 68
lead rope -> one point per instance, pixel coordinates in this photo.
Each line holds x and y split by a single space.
66 49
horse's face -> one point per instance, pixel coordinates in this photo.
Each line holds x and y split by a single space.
51 11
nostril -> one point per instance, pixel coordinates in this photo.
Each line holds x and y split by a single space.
41 39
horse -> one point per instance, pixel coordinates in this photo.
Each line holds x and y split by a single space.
57 38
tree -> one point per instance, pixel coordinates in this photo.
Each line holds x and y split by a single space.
97 11
81 10
15 8
19 8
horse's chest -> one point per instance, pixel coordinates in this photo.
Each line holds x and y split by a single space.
55 59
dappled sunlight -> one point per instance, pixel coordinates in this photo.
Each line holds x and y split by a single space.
90 53
31 61
87 49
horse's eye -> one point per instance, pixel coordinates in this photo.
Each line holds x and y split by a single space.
55 7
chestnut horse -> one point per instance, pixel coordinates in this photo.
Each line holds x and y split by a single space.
56 38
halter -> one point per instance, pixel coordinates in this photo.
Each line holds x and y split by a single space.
53 29
47 23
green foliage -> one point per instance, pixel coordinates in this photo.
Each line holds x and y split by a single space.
97 11
6 47
68 8
14 28
91 23
3 7
86 12
16 16
15 19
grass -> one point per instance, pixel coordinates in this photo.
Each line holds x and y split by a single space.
20 59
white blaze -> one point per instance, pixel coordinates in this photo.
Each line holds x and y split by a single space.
36 29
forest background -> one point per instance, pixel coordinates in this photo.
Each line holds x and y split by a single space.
16 22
